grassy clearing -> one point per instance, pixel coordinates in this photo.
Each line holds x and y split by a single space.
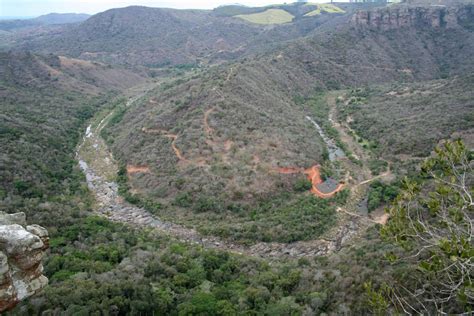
330 8
232 10
314 12
270 16
324 7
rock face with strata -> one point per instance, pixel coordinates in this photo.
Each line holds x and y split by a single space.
22 248
433 16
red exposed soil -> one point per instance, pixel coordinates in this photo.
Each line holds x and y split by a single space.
165 133
314 175
131 169
175 149
283 170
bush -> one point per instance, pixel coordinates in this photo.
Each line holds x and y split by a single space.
381 193
183 199
302 185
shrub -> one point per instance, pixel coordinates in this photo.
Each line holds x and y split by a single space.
302 185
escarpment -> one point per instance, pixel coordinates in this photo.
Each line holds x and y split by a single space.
435 16
22 248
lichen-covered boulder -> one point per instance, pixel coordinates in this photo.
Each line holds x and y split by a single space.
21 252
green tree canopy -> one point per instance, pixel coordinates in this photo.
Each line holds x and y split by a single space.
433 224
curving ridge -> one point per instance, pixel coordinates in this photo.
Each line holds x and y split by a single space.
113 207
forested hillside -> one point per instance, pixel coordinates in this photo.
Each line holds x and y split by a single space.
410 119
45 102
156 37
213 143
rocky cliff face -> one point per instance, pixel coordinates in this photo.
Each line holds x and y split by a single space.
21 252
435 16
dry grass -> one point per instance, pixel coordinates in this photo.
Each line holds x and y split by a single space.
270 16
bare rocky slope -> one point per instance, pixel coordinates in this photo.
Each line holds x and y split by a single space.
416 16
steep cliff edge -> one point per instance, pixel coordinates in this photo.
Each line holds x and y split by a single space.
21 252
436 16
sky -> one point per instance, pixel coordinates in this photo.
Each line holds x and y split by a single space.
30 8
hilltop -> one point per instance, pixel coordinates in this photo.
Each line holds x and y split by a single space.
156 37
43 20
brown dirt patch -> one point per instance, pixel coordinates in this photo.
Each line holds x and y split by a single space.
314 175
165 133
131 169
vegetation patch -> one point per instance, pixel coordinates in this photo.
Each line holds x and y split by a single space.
402 119
381 194
305 218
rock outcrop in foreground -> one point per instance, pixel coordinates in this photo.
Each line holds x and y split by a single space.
21 252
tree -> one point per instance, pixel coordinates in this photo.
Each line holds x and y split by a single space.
433 224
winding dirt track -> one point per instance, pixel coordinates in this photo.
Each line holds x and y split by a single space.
137 169
165 133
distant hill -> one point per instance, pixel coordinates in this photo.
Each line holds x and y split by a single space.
158 37
62 18
43 20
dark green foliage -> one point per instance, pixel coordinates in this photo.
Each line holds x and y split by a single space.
183 200
377 166
431 222
44 158
98 267
341 197
381 193
103 250
206 204
302 185
124 190
305 218
166 277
